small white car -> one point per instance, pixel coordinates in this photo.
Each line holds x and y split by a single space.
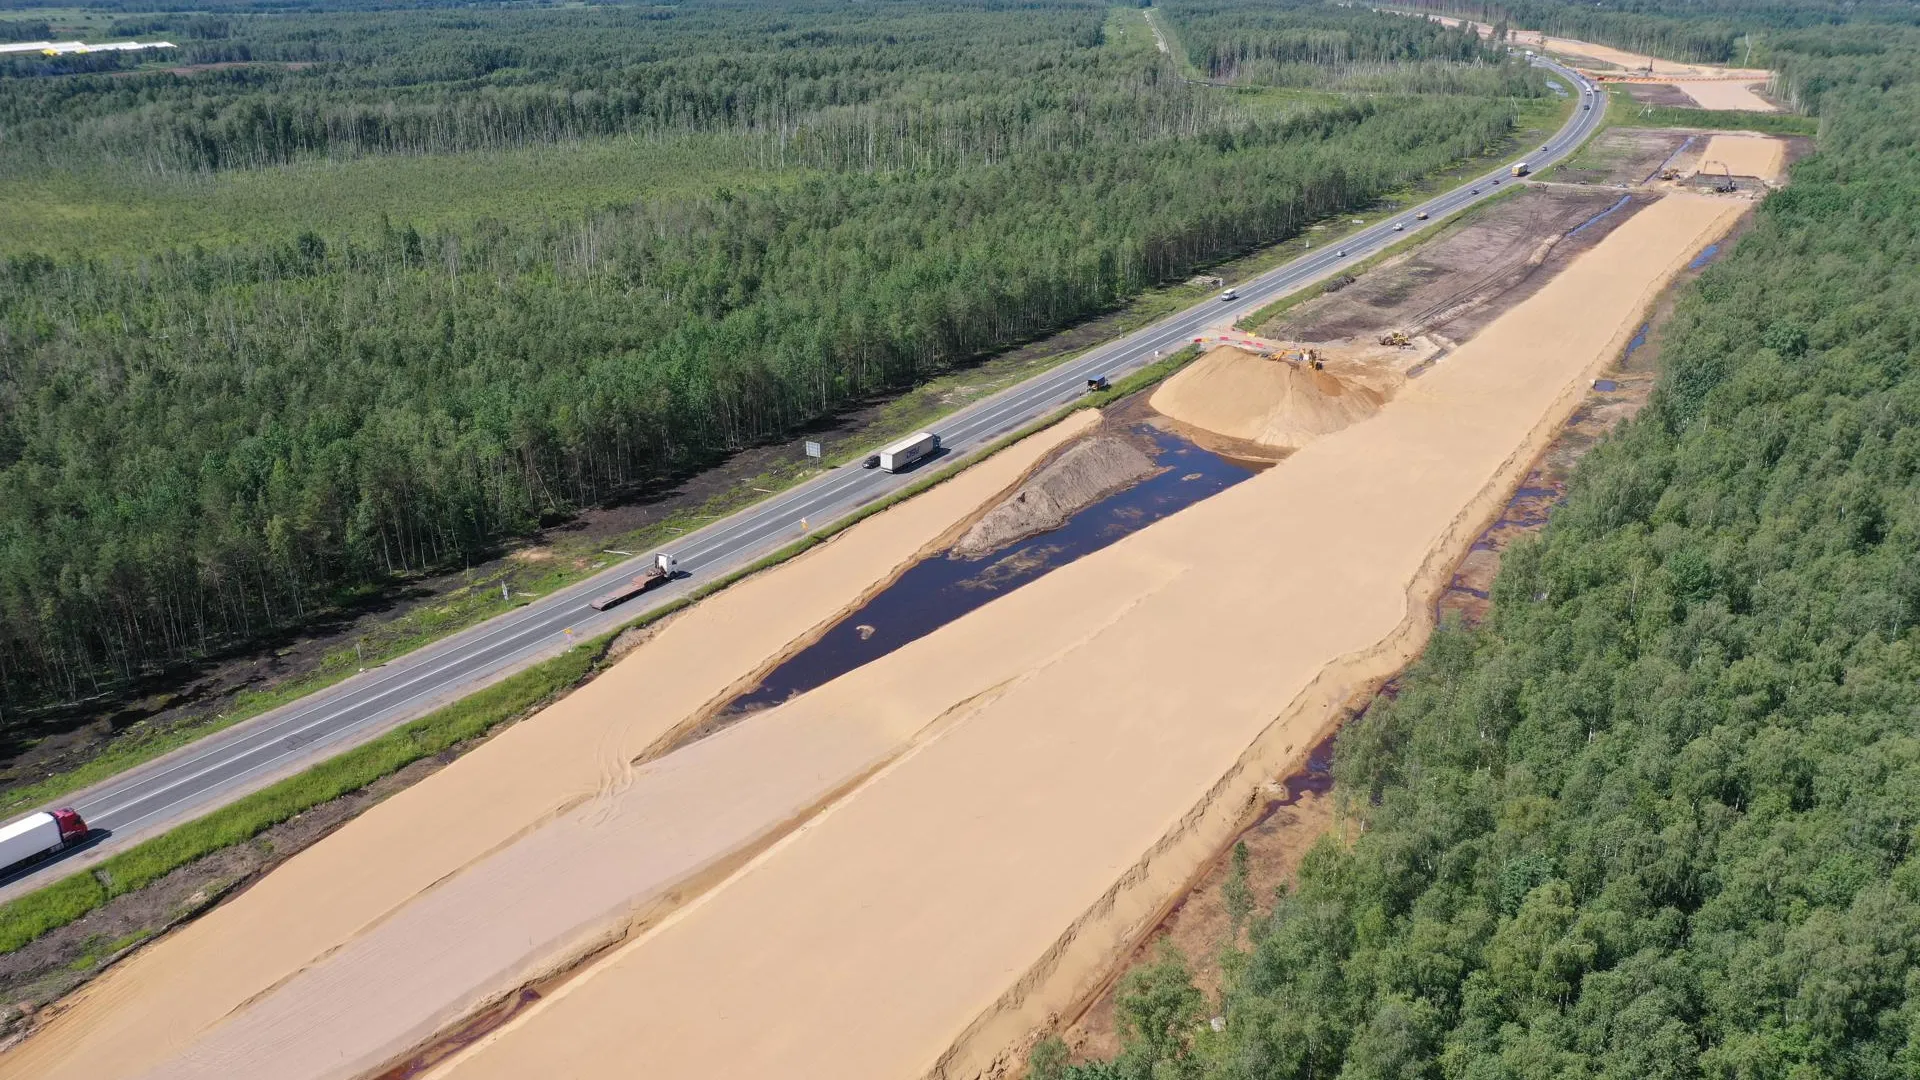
1229 295
1399 226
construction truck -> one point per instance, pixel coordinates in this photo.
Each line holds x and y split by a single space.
1396 338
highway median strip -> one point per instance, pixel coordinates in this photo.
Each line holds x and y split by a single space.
461 723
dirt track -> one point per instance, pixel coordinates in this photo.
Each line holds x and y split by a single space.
571 757
916 926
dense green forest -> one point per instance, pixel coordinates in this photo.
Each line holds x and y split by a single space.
1303 43
202 443
1657 817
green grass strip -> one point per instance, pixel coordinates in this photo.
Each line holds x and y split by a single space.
27 917
1624 111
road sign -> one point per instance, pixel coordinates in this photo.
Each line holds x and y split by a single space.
813 449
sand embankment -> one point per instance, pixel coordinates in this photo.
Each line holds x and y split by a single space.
1078 476
1746 155
572 758
986 876
1274 403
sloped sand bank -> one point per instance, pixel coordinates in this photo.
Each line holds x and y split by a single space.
983 879
1077 476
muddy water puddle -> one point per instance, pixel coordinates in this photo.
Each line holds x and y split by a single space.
938 590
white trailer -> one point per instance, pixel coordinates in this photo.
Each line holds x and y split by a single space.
903 454
40 834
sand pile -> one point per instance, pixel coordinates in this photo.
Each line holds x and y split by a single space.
1077 477
1270 402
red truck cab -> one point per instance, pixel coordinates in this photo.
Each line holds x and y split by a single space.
73 828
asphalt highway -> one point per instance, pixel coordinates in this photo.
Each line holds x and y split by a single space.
222 767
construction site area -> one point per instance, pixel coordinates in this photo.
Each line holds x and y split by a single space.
909 802
1648 78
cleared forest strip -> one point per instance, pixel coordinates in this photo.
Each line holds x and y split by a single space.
916 927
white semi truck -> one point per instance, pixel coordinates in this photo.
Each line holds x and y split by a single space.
901 455
40 834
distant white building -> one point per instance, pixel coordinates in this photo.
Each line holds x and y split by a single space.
65 48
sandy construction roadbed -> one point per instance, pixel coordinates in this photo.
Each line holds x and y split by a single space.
1080 747
565 765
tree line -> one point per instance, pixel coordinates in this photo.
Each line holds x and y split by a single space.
1657 817
1307 43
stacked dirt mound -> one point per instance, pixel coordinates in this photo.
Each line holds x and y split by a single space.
1269 402
1082 474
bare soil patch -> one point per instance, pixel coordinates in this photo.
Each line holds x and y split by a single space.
1666 94
1740 95
1451 287
1759 156
1622 157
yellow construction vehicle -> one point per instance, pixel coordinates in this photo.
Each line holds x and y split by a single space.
1395 338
